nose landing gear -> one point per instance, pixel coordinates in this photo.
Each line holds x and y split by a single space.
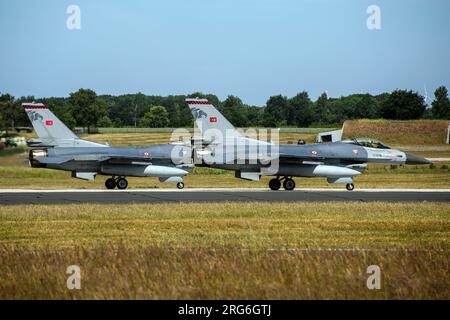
180 185
350 186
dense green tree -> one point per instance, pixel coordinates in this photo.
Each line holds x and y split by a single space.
441 104
254 116
323 114
86 108
8 110
274 112
234 110
156 117
403 105
105 122
122 109
300 107
356 106
367 107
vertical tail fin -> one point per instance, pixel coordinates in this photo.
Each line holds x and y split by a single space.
46 124
52 131
208 117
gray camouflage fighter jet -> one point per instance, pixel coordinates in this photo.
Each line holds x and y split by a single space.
222 146
59 148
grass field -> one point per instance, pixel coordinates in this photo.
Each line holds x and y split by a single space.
228 251
157 273
400 133
244 225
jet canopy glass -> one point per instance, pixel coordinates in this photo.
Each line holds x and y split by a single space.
367 142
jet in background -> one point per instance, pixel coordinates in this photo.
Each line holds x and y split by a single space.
59 148
339 162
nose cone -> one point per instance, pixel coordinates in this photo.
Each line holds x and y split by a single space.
413 159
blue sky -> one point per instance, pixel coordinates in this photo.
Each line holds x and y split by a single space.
249 48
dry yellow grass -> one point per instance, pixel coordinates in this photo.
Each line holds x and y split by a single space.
377 176
225 251
243 225
159 273
398 133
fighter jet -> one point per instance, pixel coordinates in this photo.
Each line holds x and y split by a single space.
222 146
59 148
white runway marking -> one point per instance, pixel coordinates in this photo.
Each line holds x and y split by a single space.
216 190
439 159
354 250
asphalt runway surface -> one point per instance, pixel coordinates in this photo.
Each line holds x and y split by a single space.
18 196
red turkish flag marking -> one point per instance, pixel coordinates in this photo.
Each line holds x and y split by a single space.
49 122
212 119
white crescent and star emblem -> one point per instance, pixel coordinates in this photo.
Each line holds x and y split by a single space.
146 153
314 152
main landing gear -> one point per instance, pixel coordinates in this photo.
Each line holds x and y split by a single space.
350 186
288 183
180 185
121 183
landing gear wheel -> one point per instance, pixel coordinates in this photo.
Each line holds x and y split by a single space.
180 185
110 183
288 184
274 184
350 186
122 183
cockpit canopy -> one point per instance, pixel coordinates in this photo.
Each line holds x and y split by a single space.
366 142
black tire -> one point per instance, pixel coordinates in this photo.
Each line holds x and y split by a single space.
180 185
350 186
288 184
122 183
110 183
274 184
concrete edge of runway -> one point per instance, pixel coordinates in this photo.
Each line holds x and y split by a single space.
215 190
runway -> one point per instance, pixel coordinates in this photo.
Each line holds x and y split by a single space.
18 196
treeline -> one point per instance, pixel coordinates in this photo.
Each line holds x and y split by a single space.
85 108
